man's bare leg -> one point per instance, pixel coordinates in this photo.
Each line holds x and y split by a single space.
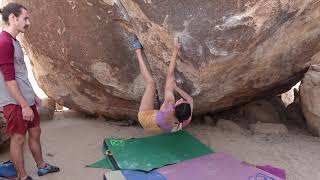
16 153
35 146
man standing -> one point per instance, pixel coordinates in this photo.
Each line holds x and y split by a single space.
16 94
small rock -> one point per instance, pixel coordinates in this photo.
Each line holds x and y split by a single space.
50 155
268 128
228 125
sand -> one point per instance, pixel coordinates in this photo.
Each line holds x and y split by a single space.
72 141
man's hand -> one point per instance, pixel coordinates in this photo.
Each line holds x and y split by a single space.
38 101
27 113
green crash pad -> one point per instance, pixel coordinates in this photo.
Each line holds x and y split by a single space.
153 152
103 163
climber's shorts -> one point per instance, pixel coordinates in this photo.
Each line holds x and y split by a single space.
148 121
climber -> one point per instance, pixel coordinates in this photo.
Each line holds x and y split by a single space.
173 115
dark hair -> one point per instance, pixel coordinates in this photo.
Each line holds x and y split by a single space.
183 111
11 8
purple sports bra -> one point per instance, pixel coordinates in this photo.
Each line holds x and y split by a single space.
161 118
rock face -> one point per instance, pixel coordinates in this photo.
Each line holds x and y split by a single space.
288 97
310 99
294 112
233 51
47 109
3 136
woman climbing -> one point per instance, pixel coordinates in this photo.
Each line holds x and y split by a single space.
173 115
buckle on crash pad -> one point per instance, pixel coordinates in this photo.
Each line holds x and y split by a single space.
108 152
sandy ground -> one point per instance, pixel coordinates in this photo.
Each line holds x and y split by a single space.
72 141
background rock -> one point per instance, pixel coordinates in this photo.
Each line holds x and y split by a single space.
47 109
208 120
233 51
229 126
294 112
269 110
288 97
310 99
3 137
268 128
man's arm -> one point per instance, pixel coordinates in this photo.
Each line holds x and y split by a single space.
38 100
9 77
15 92
7 69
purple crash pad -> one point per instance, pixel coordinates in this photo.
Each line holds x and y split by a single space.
218 166
273 170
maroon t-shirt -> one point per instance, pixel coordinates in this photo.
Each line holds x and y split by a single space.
12 57
7 56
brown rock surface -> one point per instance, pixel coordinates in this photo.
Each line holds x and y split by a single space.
3 136
294 112
233 51
310 99
47 109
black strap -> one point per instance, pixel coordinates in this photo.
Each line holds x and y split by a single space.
110 156
104 177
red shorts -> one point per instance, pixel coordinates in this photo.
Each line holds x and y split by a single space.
15 122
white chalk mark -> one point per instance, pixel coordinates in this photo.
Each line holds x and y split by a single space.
214 50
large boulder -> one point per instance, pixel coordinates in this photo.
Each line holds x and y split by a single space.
233 51
310 99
